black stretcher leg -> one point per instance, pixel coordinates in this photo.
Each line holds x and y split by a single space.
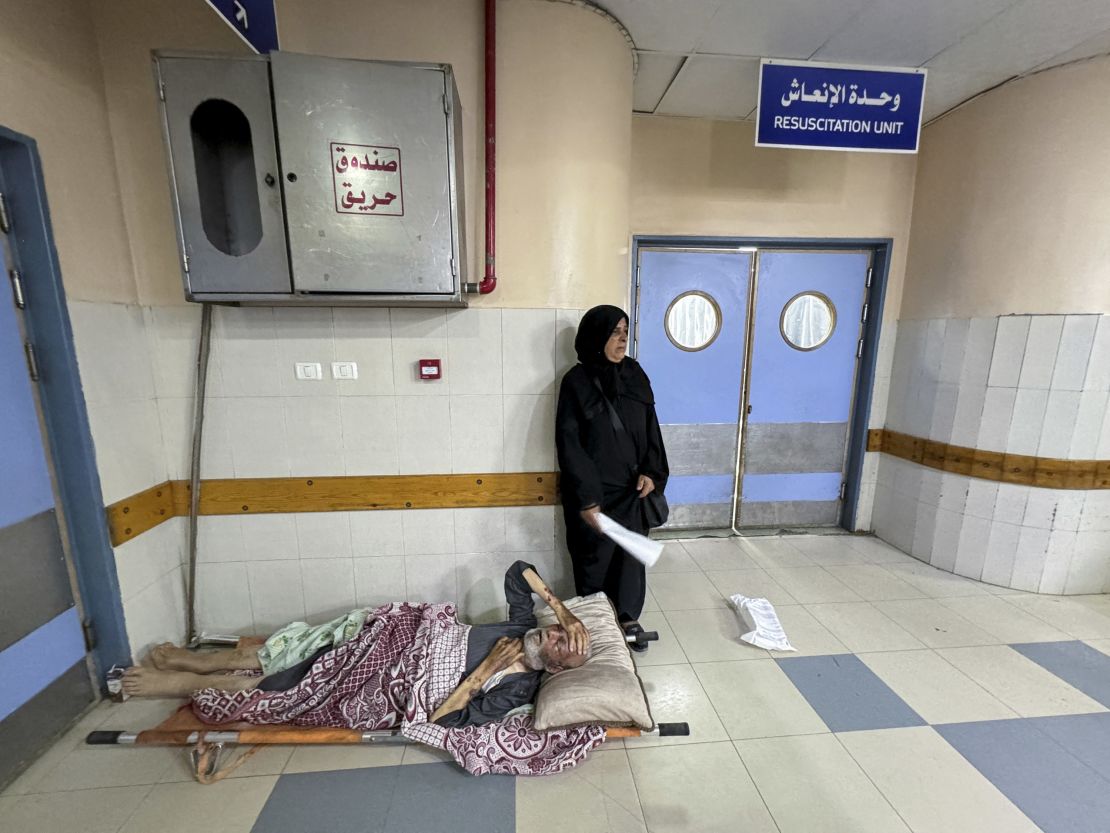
103 738
673 729
642 638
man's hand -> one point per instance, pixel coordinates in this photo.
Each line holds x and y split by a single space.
578 638
645 485
590 517
505 652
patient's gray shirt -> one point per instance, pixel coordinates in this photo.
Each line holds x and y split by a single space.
514 690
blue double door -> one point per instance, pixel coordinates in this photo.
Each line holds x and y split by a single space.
753 356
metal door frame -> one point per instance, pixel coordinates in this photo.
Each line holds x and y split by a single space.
880 249
68 434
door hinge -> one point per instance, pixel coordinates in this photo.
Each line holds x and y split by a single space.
859 349
162 90
843 489
866 309
89 631
446 104
5 220
32 360
870 275
185 262
454 269
748 410
17 288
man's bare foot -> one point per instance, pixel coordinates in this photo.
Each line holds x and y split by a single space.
140 681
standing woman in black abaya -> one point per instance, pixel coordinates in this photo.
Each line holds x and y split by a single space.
612 457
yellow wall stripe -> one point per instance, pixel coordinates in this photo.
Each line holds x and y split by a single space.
1043 472
141 512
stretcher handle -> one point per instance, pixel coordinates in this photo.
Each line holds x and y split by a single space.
642 637
103 738
666 729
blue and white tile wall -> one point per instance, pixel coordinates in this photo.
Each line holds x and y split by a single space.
492 412
1024 384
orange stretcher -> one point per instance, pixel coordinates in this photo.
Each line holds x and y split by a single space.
207 742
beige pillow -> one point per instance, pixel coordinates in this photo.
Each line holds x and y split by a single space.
606 689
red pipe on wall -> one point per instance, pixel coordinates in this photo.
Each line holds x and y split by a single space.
489 281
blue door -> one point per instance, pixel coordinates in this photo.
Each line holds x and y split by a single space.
44 682
691 333
804 355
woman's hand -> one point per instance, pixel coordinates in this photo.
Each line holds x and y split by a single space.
645 485
589 515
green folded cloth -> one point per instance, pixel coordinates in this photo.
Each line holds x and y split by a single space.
298 641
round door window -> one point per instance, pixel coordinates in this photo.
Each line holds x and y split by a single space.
807 321
693 321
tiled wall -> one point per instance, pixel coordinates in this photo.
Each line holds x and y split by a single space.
1033 385
492 412
123 381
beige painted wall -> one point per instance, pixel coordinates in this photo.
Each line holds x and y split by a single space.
562 230
127 31
1010 214
702 177
53 91
563 141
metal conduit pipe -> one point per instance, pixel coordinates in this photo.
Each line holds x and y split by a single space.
194 469
489 280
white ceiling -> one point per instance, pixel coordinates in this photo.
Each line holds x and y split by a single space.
701 57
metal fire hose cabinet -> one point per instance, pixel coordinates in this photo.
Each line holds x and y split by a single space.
299 179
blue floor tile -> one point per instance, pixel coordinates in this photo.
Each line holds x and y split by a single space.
1086 736
1076 663
1057 790
847 694
428 798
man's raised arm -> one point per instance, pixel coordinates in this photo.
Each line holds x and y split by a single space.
577 635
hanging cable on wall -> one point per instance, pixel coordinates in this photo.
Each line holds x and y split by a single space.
194 468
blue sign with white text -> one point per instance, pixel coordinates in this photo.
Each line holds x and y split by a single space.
818 106
255 21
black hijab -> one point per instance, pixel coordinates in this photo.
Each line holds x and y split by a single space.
617 378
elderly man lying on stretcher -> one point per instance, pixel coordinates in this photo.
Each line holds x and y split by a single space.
503 663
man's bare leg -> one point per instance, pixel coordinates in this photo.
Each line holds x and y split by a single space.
140 681
169 657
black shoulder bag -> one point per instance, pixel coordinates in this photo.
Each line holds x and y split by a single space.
654 506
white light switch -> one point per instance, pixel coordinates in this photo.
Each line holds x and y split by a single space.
344 370
309 371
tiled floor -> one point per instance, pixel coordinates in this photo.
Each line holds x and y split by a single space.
917 701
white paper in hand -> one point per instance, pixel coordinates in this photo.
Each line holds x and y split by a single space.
768 631
640 547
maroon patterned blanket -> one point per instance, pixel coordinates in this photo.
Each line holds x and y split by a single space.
405 662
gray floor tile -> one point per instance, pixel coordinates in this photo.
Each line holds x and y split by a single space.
429 798
847 694
1080 665
1086 736
1050 785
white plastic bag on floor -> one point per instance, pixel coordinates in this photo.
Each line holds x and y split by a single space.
768 631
